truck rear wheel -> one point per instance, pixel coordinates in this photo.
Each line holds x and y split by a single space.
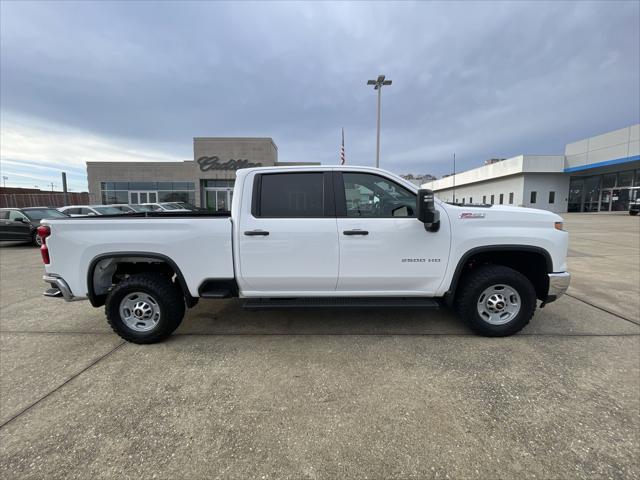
145 308
496 301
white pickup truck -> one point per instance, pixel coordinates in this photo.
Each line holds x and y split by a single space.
312 236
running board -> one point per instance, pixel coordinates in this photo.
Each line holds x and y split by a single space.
341 302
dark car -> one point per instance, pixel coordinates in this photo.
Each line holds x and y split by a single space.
20 224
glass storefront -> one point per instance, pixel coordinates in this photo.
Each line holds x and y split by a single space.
147 192
609 192
217 194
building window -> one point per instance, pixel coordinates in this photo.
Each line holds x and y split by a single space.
501 198
484 199
462 199
470 199
552 197
534 196
129 192
492 199
511 198
609 180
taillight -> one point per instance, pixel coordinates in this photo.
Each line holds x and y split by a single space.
43 232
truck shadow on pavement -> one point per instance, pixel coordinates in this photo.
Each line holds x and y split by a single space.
215 317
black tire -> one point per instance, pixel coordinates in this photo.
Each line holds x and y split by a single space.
169 301
633 212
473 286
35 239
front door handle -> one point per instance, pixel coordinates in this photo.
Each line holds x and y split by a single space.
255 233
356 232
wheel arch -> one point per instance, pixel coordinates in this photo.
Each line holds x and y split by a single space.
96 293
504 255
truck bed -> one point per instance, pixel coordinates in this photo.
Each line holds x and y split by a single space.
198 243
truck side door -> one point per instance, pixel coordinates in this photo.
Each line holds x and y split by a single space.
384 248
287 237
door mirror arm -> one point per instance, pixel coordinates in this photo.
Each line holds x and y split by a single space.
427 212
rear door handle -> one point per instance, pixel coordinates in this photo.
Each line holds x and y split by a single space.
255 233
356 232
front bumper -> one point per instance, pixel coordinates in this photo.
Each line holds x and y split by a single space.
59 288
558 284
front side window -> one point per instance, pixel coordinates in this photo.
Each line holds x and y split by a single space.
15 215
369 195
291 195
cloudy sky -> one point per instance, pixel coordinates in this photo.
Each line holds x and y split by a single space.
114 80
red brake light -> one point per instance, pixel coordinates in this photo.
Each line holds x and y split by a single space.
43 232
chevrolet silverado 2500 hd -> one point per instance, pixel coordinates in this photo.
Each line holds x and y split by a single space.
312 236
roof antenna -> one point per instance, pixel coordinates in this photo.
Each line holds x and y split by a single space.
454 177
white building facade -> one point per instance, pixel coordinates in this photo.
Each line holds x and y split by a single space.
597 174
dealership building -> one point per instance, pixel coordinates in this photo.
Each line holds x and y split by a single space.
206 181
596 174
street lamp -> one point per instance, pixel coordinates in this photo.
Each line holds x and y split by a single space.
378 83
4 180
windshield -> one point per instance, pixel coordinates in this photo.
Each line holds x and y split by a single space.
171 206
141 208
40 213
107 210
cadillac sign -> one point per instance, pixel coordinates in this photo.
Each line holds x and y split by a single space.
213 163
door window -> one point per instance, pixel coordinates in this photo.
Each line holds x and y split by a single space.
368 195
291 195
15 215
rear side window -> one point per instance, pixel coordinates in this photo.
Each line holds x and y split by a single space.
291 195
4 215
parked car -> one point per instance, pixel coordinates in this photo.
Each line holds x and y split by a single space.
165 207
20 224
129 208
634 207
89 210
188 206
313 236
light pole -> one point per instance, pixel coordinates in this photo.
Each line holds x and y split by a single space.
378 83
4 180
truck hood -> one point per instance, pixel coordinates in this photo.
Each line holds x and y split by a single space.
505 213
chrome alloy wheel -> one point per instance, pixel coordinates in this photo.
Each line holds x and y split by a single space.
140 311
499 304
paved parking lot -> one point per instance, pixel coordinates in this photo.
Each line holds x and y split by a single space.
295 394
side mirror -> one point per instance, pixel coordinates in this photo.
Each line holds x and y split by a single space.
21 220
427 212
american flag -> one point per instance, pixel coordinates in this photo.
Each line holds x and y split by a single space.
342 157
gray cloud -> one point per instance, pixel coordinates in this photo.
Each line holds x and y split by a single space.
480 79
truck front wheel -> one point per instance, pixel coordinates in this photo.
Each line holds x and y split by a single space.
496 301
145 308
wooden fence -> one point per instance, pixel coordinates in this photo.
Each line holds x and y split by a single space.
54 199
